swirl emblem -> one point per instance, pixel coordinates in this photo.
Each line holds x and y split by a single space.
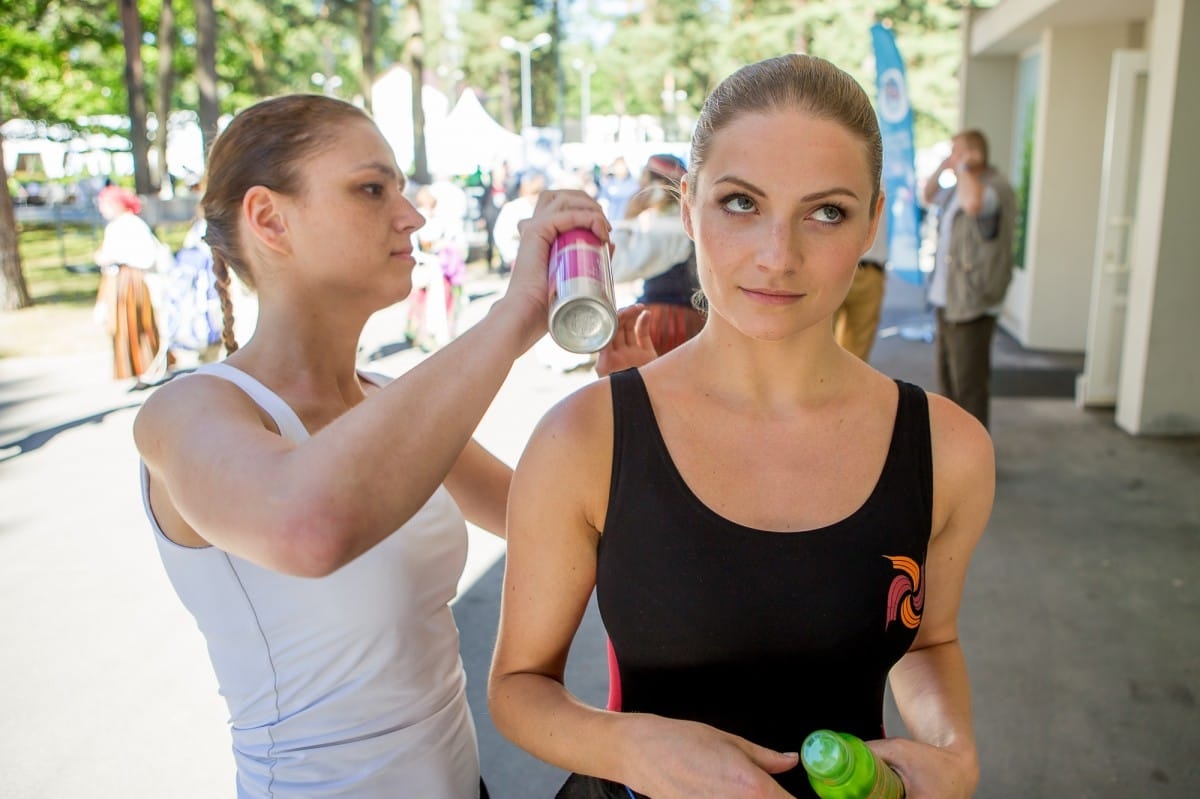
906 596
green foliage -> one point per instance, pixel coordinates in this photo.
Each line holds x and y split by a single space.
60 59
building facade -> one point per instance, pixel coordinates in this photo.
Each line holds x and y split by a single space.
1092 107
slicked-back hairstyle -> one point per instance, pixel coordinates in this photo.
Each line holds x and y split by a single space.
263 145
786 83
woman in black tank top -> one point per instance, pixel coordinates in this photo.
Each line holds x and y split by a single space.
774 529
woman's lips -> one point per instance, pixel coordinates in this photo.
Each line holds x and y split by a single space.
772 296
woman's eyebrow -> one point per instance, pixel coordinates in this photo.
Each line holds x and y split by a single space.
745 184
816 195
379 166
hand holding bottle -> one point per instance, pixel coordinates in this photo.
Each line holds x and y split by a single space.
930 772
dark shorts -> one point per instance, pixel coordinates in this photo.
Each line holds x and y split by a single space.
579 786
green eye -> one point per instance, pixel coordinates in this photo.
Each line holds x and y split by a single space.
738 204
829 213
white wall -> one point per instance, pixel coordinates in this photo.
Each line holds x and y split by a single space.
1159 389
1066 183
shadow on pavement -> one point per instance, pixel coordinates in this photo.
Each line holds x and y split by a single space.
37 439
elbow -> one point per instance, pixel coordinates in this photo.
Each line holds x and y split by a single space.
496 704
504 704
314 541
970 774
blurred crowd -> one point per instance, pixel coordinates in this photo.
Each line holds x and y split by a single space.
164 314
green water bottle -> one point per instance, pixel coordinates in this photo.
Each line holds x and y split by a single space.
841 766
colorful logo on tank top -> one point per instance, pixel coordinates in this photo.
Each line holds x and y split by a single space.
906 596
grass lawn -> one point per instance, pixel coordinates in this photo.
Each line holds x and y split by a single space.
57 271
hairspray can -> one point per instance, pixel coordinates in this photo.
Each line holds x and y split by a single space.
583 314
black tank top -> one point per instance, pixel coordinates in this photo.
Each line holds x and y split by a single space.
763 634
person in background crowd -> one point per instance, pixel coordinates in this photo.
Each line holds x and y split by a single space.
132 263
490 199
972 268
508 236
774 531
310 516
192 306
435 301
857 321
616 187
651 245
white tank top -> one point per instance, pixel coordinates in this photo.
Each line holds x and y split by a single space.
349 685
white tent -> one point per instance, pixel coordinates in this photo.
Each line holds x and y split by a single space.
467 138
391 103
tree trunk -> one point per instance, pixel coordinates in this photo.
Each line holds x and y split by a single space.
416 65
135 89
162 105
366 26
206 70
13 292
560 78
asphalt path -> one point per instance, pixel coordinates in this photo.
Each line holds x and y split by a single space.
106 685
1078 619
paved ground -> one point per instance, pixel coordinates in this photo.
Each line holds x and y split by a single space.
1079 620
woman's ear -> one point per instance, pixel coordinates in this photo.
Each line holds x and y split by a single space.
880 210
685 207
263 217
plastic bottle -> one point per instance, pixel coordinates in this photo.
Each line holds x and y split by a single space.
583 315
841 766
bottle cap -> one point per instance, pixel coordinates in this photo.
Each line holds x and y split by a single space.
825 755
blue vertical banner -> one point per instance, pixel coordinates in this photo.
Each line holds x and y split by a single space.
899 170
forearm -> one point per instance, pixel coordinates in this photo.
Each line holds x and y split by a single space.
932 184
933 695
929 192
399 444
538 714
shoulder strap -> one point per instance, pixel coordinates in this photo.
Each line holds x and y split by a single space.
913 434
289 424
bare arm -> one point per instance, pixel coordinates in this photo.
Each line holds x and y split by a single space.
311 507
479 483
930 682
932 187
556 512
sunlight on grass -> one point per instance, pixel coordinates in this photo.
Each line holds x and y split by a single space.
61 278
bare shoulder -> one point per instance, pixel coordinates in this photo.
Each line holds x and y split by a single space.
195 405
959 440
580 421
570 450
964 469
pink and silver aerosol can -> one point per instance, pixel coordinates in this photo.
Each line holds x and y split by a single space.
583 313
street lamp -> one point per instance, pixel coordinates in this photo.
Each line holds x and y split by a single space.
585 95
524 49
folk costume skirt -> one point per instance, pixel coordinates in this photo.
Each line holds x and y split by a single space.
131 321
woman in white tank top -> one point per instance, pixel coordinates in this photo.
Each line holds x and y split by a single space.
312 518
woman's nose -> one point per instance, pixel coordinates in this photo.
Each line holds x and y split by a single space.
407 217
780 249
